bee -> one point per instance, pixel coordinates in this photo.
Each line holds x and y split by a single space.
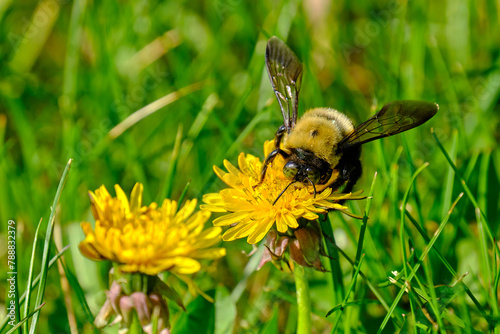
325 140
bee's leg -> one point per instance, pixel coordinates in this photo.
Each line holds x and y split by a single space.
349 169
279 136
277 141
268 160
338 182
353 177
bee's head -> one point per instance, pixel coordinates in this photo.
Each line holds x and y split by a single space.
305 167
301 172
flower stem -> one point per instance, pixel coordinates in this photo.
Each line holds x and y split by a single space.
303 301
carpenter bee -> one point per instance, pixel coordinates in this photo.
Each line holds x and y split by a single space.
325 140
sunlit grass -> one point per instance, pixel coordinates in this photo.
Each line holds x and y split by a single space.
73 71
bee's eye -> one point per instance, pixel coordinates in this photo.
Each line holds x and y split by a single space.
290 170
312 174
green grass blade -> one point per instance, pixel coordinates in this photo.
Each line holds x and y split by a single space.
289 298
4 6
225 311
47 246
30 277
80 294
448 189
251 266
35 37
488 271
22 322
447 264
416 193
364 222
402 237
466 189
417 266
35 283
348 294
397 317
227 152
431 297
13 269
497 277
336 272
333 258
166 191
153 107
471 165
183 194
198 124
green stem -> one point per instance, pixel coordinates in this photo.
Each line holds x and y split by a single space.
333 257
303 301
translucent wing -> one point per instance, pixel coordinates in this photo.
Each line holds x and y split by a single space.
393 118
285 73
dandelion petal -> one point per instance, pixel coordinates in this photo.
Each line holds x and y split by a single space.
261 231
230 219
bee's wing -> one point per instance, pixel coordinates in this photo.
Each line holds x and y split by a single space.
285 73
393 118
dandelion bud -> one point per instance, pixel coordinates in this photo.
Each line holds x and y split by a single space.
276 244
126 309
275 247
114 293
142 306
104 315
305 249
160 312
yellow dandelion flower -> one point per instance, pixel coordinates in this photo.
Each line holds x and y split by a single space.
252 209
148 239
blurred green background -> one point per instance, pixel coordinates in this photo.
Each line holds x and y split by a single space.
72 72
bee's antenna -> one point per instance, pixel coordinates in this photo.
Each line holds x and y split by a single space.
283 191
312 183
